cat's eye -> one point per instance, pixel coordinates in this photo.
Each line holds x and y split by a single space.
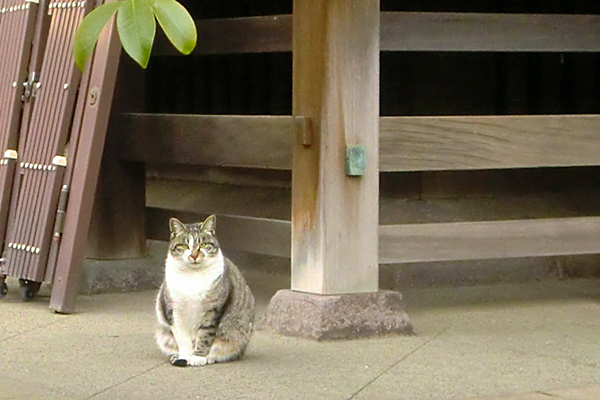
208 247
180 248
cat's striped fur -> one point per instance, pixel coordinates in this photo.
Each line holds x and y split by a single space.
204 307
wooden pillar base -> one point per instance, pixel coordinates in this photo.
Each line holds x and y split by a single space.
345 316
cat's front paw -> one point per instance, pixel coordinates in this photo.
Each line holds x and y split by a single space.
179 362
199 361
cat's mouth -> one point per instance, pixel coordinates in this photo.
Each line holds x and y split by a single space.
203 255
198 259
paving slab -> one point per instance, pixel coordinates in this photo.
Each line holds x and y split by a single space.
276 368
500 339
493 342
587 393
525 396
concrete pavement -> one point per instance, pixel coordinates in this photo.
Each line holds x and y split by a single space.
531 341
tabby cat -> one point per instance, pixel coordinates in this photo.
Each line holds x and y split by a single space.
204 307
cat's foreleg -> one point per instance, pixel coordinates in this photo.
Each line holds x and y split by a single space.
184 344
204 340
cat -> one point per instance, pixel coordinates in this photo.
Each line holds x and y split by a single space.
204 307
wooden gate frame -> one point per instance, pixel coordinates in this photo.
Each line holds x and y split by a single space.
89 128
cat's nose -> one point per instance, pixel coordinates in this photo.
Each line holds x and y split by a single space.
194 255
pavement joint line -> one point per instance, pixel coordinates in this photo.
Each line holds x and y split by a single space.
551 395
431 339
29 331
127 380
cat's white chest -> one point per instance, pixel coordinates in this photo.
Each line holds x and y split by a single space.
191 284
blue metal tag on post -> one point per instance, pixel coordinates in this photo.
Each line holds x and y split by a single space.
356 160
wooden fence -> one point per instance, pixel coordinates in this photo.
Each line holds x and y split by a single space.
434 143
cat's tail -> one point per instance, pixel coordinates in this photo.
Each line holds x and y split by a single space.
166 341
224 350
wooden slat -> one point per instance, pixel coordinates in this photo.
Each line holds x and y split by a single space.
486 240
232 141
253 235
406 143
455 143
267 34
411 242
412 31
402 31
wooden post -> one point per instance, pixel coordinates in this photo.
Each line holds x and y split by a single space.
336 85
117 229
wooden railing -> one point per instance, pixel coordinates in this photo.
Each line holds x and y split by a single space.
405 143
413 31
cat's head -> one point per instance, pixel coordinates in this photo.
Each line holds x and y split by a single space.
194 243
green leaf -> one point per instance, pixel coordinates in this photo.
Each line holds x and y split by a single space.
177 24
136 25
89 30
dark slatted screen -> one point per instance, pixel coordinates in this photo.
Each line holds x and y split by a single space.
17 18
41 162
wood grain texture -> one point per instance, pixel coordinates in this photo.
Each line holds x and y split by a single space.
486 240
117 227
411 242
336 85
407 143
411 31
459 143
253 235
264 34
407 31
228 141
86 167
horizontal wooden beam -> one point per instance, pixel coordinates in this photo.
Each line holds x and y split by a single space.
254 235
406 143
411 31
266 34
229 141
487 142
402 31
486 240
411 243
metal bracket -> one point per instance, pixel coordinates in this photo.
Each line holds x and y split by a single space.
356 160
31 86
59 161
59 225
303 130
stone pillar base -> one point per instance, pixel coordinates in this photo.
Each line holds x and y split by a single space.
346 316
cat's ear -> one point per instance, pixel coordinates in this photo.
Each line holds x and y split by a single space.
210 224
177 227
